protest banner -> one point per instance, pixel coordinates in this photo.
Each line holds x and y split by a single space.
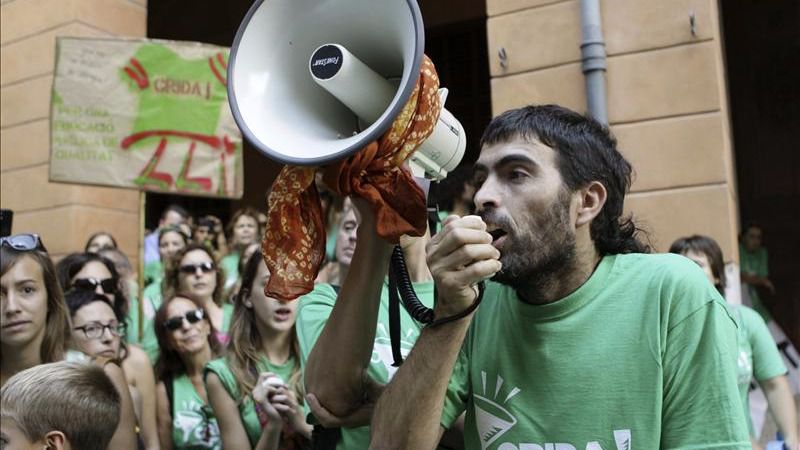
144 114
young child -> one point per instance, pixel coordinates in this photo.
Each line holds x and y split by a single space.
59 406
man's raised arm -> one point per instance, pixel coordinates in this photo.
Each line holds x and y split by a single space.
409 411
336 366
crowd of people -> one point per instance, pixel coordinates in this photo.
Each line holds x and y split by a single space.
583 337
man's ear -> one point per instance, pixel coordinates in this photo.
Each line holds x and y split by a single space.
56 440
591 199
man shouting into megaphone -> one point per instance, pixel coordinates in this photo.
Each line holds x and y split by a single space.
582 340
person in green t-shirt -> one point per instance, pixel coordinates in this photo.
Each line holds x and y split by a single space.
582 340
351 379
755 268
256 390
187 342
242 231
758 356
171 240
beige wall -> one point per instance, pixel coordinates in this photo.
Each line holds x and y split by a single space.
64 214
666 100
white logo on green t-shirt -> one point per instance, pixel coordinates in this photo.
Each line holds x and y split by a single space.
493 420
382 349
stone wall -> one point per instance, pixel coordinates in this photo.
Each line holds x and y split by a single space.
63 214
667 101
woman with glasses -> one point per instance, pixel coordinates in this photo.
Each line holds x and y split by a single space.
96 328
256 391
194 271
35 324
187 342
90 272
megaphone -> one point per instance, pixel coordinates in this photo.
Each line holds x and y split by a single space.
311 82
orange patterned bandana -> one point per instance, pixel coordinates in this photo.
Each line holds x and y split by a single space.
294 243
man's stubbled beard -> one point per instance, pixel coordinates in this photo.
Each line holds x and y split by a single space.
532 258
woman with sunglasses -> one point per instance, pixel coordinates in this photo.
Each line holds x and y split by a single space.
193 271
256 391
187 342
35 324
93 273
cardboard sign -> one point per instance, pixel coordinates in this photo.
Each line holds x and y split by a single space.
144 114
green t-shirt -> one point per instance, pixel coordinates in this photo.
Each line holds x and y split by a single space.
194 426
247 408
758 355
227 315
641 356
230 267
313 313
152 301
755 263
153 272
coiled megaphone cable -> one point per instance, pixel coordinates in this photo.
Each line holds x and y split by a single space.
402 289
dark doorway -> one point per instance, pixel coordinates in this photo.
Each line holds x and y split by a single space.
762 51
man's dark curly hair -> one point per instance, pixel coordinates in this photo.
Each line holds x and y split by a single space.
586 151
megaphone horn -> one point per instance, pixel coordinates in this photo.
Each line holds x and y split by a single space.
311 82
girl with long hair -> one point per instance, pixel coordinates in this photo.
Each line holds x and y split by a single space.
187 341
35 325
256 391
93 273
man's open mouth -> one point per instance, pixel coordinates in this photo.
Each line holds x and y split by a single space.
497 233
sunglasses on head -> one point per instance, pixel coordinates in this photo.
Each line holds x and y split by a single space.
176 323
192 268
23 242
90 284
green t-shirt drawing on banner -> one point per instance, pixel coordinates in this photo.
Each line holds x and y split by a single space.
178 100
759 357
194 426
312 315
641 356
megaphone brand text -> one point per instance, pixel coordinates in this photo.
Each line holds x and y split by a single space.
325 61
